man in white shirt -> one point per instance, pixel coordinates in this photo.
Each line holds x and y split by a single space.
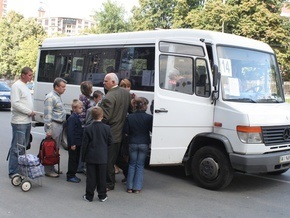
22 113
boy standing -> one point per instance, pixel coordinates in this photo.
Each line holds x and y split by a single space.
97 137
74 138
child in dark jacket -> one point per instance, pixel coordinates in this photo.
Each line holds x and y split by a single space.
97 137
74 139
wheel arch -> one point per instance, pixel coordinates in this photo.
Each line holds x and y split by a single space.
204 139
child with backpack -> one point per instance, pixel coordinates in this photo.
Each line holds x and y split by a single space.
74 139
97 137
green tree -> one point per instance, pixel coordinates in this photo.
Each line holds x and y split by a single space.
14 31
110 19
153 14
254 19
183 7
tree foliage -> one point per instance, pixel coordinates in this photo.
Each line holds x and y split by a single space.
153 14
254 19
19 39
110 19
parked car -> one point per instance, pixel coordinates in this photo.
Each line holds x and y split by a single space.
4 95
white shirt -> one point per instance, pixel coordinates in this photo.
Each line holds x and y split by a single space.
21 103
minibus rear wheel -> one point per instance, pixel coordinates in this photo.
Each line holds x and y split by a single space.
211 168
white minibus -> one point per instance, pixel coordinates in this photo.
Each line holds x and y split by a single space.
219 105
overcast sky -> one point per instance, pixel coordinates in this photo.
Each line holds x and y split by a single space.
64 8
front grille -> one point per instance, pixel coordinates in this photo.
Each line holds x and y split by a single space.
273 135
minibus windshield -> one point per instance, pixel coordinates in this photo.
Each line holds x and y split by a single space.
249 76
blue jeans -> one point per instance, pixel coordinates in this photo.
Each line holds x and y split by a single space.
20 135
137 153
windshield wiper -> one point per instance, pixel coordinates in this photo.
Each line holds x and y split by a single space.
242 100
269 100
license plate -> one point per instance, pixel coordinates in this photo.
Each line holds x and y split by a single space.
285 158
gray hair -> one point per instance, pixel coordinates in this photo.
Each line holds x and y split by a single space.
114 77
57 81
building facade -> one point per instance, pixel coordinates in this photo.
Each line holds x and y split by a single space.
3 8
62 25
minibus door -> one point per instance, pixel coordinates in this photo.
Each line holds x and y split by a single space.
179 113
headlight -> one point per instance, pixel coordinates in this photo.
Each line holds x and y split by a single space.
250 134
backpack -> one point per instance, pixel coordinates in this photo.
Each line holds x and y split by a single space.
48 152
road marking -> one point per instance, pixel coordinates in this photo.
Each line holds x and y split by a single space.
263 177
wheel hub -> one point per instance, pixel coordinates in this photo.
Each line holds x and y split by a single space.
209 168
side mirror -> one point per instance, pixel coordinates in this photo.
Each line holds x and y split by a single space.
216 79
216 76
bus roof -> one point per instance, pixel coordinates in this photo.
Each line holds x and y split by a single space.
150 36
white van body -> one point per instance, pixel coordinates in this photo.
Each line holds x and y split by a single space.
236 119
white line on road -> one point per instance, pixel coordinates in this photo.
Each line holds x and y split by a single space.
264 177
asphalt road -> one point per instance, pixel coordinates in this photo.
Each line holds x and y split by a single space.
167 192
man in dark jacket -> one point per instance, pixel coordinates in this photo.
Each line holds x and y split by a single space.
115 105
97 137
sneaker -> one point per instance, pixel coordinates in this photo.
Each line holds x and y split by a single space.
124 180
85 198
52 174
103 199
73 179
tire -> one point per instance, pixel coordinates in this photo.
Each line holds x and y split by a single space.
64 137
26 186
279 172
16 180
211 168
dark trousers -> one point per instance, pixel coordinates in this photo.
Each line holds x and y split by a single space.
113 152
122 163
114 157
73 161
96 178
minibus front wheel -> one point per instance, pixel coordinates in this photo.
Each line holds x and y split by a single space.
211 168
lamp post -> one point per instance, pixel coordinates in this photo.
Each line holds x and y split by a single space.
223 24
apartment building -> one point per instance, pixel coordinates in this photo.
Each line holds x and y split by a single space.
62 25
3 8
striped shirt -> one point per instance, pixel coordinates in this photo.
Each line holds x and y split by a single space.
53 110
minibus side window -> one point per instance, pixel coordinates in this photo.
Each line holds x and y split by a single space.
176 74
202 85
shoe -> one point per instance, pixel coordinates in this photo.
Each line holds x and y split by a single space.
85 198
129 190
56 171
52 174
73 179
103 199
124 180
137 191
